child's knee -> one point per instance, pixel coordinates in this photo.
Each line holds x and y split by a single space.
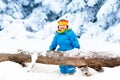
62 69
71 69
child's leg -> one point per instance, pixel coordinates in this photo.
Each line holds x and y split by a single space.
70 69
62 69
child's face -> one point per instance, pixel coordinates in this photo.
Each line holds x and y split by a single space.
62 27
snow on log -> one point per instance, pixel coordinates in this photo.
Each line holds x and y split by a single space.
92 59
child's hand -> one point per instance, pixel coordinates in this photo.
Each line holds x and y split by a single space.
72 52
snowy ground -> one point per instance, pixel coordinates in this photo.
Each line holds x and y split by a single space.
14 71
51 72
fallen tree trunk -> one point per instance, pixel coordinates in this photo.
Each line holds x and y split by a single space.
96 60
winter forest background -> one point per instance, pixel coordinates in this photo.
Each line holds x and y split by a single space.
32 18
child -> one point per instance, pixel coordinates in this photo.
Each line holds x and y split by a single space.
67 40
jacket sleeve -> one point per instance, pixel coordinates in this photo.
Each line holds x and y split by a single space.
74 40
53 44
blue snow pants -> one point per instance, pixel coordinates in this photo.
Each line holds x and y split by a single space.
64 69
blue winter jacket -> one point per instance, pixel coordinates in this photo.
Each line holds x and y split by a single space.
66 41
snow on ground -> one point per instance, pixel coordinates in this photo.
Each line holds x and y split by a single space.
96 44
13 71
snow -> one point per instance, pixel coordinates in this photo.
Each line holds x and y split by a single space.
34 33
13 71
92 2
53 5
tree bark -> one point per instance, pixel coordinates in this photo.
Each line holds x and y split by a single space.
96 60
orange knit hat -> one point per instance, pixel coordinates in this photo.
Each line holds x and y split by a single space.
63 22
